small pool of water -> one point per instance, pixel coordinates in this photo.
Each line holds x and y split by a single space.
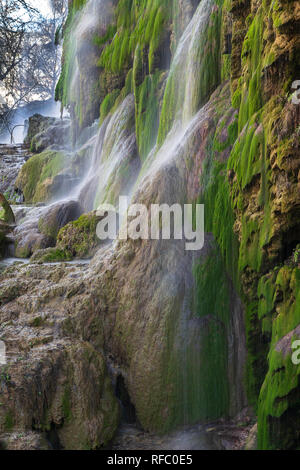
129 437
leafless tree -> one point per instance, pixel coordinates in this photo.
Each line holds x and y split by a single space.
29 56
17 17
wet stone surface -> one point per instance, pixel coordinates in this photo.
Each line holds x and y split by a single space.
12 158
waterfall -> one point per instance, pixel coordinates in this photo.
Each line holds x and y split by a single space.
84 26
113 151
114 148
188 62
185 76
185 81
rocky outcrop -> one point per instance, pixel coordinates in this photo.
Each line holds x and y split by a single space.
7 214
37 227
57 216
61 384
44 132
158 339
77 239
47 175
264 186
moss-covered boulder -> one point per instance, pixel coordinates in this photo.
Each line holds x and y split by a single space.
44 176
79 238
279 400
6 214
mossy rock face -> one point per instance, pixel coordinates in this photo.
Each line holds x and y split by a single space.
76 394
279 400
44 176
254 219
56 135
79 238
6 214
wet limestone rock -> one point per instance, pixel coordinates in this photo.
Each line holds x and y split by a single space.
54 375
28 440
39 229
57 216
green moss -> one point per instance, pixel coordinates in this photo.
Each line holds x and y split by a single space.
206 55
67 404
251 100
147 112
110 32
279 394
37 322
107 104
51 255
6 214
79 239
142 23
212 302
37 173
226 67
219 215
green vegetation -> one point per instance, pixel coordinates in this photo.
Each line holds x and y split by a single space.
279 396
202 76
140 23
212 303
248 183
78 239
37 174
6 213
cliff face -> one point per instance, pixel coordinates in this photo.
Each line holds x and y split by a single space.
195 102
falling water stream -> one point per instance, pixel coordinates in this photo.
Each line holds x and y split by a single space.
111 146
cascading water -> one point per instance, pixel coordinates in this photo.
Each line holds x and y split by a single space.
112 153
114 149
113 169
113 143
84 26
187 79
